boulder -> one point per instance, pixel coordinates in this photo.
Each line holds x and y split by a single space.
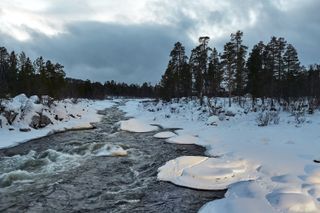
35 120
44 121
39 121
25 129
10 116
230 113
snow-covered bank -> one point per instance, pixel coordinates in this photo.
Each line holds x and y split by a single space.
288 180
60 115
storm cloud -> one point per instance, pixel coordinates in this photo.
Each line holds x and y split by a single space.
131 40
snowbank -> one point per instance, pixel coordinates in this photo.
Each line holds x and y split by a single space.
135 125
164 135
62 115
288 179
206 173
183 139
242 197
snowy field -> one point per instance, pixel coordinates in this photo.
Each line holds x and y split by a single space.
63 115
266 169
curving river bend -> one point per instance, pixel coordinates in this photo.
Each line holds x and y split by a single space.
66 172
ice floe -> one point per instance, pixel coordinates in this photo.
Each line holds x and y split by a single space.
183 139
164 135
206 173
135 125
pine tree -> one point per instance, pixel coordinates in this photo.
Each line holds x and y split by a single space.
270 67
292 70
279 61
171 83
186 81
255 72
13 73
240 61
229 68
167 85
40 69
215 73
197 77
178 59
3 71
199 66
26 75
279 71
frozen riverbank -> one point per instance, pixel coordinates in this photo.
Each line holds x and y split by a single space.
63 115
285 179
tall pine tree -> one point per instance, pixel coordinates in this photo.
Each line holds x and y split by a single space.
292 71
215 73
255 84
199 65
229 68
240 62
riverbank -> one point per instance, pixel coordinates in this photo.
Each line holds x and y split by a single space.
63 115
266 169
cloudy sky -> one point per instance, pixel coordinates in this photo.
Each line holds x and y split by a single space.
130 41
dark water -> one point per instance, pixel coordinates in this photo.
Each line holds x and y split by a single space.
62 173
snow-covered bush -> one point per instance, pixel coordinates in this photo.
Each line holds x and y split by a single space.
299 117
267 117
222 117
47 100
298 110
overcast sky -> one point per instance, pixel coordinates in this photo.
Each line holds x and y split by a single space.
130 41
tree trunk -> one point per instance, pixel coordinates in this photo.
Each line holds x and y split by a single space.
229 97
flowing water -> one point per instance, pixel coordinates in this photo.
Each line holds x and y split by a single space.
100 170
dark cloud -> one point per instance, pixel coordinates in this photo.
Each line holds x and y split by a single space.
298 26
139 52
101 52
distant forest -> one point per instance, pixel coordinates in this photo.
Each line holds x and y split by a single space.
271 70
18 74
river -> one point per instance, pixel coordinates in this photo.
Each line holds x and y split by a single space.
66 172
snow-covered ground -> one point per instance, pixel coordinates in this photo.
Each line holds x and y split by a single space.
266 169
64 115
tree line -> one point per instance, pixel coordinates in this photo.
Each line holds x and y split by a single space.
271 70
19 74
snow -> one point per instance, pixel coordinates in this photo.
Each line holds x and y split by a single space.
183 139
278 159
288 202
206 173
164 135
108 150
70 115
241 197
135 125
265 169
